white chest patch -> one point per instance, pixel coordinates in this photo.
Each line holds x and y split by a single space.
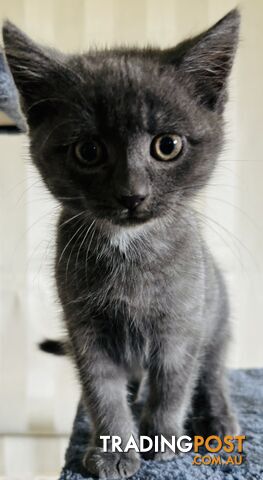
125 239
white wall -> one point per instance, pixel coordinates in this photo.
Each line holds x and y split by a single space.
39 393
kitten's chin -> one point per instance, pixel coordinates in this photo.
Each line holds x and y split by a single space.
130 222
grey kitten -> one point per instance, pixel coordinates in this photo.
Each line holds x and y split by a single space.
124 139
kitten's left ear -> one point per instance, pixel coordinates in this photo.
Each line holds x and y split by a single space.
206 60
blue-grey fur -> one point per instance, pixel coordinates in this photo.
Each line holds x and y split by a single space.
9 103
141 293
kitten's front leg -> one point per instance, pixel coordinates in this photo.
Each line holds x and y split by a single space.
172 377
105 395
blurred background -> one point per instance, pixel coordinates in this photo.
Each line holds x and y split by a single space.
38 393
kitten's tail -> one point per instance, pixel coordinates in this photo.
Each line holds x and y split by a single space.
55 347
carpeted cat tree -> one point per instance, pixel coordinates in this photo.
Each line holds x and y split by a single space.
247 395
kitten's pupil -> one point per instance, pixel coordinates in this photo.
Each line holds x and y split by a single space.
167 145
88 151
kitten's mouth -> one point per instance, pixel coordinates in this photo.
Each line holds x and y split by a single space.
132 217
124 217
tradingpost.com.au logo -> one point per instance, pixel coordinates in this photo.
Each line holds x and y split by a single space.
215 445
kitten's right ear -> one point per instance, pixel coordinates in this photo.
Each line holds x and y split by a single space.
35 70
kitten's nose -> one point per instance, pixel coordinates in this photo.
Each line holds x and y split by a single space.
131 201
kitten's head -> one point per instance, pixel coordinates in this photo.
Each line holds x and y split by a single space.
125 134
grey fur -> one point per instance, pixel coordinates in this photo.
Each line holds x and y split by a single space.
140 292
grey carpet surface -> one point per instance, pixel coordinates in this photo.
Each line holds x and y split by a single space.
247 393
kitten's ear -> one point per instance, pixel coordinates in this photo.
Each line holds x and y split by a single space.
207 60
35 71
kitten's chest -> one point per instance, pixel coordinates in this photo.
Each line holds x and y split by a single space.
125 289
122 303
130 285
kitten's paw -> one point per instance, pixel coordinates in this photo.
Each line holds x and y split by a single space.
227 425
213 425
153 430
164 456
111 465
164 451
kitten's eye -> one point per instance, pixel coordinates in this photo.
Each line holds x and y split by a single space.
166 147
89 152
